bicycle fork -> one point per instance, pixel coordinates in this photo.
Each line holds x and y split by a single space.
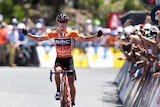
65 97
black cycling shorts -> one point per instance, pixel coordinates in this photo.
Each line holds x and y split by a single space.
66 63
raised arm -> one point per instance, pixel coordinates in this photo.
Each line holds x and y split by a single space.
35 37
145 39
91 37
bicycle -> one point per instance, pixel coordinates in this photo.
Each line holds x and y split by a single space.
65 96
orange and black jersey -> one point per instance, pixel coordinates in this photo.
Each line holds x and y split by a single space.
64 42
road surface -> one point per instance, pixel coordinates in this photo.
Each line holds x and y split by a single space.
30 87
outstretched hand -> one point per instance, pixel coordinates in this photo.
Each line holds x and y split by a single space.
99 33
24 31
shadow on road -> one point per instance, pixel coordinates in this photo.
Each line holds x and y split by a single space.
110 94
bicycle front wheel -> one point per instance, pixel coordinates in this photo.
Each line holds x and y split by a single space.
68 96
66 99
63 95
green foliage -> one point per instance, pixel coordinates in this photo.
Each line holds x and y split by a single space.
129 5
19 12
133 5
8 9
99 9
90 4
5 7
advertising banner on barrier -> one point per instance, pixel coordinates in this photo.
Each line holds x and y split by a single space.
122 72
136 93
156 99
91 57
120 86
146 91
99 57
124 87
140 93
46 56
80 58
133 93
154 90
128 94
116 53
103 57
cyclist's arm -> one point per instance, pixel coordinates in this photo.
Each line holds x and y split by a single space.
83 38
38 38
86 38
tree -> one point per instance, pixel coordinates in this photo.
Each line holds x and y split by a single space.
133 5
9 10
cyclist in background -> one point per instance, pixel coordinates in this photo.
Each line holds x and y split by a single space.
64 41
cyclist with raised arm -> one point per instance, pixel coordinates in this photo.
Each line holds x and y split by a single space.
64 41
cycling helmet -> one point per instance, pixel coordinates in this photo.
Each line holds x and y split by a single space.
62 17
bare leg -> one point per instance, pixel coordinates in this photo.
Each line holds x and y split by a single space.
57 80
72 87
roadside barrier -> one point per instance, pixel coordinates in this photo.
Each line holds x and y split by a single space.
121 75
138 93
90 57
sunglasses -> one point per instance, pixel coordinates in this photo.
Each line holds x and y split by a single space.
62 21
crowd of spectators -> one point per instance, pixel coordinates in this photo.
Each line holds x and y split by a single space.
141 47
12 41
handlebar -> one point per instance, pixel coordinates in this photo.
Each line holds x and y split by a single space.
61 72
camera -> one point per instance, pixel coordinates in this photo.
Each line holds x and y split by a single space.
127 47
150 34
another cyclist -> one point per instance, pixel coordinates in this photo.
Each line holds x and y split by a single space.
64 42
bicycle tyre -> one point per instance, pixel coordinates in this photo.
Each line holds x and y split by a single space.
68 97
63 95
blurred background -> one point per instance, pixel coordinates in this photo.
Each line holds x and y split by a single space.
86 16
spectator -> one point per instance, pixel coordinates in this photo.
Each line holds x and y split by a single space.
13 39
156 51
146 44
127 23
3 42
106 32
158 16
148 19
138 51
112 38
88 30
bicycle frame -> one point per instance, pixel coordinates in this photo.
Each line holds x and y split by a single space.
65 97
